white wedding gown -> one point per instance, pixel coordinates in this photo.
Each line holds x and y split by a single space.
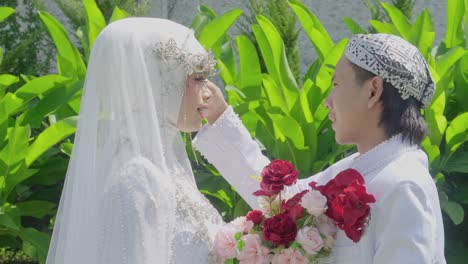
129 193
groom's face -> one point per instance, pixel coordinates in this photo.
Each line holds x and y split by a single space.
347 103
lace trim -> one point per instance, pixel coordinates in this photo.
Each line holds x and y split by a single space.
201 65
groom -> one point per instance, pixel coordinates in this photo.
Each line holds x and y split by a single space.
379 87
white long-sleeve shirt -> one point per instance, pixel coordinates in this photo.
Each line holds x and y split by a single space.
406 223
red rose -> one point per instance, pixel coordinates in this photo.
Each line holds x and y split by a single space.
293 206
256 216
347 201
280 229
275 176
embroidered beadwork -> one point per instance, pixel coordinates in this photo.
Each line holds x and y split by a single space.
200 65
396 61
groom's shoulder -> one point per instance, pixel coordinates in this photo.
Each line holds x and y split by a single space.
409 168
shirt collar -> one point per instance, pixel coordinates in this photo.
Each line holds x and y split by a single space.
381 155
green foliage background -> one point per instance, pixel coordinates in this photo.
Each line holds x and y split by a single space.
259 67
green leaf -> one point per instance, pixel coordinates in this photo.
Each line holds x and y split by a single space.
353 26
432 150
118 14
240 245
422 33
290 128
455 13
241 208
51 103
315 31
437 123
238 235
202 18
39 240
50 172
49 137
274 94
285 77
382 27
95 21
67 148
217 28
67 52
250 76
398 19
15 150
21 174
37 209
5 12
267 52
455 211
448 60
6 80
228 67
456 132
457 164
10 217
39 86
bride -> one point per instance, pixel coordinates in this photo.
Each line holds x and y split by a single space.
129 194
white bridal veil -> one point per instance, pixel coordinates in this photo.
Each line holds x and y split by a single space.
127 149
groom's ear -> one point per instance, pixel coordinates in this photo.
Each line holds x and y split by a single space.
375 88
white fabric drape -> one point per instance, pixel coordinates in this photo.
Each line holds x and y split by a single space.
129 192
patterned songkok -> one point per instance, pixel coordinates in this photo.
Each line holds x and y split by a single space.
396 61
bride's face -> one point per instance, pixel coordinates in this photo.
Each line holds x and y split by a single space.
189 119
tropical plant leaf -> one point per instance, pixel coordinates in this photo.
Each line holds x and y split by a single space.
457 132
250 76
453 30
50 103
95 21
49 137
5 12
398 19
6 80
313 27
353 26
118 14
37 209
217 28
453 209
68 54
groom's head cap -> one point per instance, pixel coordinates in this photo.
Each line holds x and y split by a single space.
396 61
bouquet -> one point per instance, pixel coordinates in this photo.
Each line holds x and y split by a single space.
297 229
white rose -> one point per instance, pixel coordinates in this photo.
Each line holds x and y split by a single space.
241 224
326 226
310 239
314 202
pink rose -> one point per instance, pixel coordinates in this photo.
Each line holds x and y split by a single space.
314 202
289 256
253 251
225 242
310 240
241 224
326 226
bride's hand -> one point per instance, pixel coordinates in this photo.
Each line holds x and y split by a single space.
213 103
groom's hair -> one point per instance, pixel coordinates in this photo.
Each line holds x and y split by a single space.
398 116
